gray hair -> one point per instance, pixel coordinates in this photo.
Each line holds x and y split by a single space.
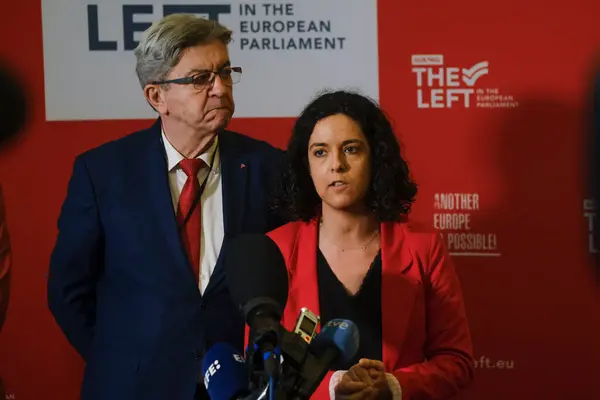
163 43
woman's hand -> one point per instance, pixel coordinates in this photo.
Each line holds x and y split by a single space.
350 389
359 373
365 380
379 383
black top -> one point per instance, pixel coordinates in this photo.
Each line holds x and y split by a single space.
364 308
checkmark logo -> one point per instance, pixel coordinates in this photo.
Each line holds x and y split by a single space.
471 75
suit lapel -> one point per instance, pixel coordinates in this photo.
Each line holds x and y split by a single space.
397 292
234 167
234 174
156 182
305 293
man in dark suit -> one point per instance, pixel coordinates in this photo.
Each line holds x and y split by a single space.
136 281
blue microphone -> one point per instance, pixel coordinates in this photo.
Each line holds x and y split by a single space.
224 371
337 343
334 346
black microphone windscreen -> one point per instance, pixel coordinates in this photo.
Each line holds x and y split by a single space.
255 268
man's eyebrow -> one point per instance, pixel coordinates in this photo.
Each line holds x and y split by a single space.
201 70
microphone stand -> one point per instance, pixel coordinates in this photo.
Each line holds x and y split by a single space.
265 340
293 380
271 360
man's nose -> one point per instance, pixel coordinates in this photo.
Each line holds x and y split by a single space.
217 88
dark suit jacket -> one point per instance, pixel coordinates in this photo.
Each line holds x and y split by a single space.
426 340
120 285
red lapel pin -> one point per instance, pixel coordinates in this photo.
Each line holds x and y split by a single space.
242 165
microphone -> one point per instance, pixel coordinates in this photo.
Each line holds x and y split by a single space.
257 279
337 343
224 373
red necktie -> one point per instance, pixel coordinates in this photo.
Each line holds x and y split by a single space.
190 234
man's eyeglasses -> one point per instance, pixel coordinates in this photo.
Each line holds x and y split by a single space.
204 79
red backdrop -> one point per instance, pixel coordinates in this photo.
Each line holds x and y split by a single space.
531 307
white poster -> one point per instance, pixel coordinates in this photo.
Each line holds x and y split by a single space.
288 50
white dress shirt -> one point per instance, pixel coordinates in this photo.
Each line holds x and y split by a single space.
213 230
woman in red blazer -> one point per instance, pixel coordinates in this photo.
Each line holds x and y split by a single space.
352 254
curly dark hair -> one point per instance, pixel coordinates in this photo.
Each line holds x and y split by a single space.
391 191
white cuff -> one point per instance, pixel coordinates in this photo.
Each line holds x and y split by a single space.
394 385
333 382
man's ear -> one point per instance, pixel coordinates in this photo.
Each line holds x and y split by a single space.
155 95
